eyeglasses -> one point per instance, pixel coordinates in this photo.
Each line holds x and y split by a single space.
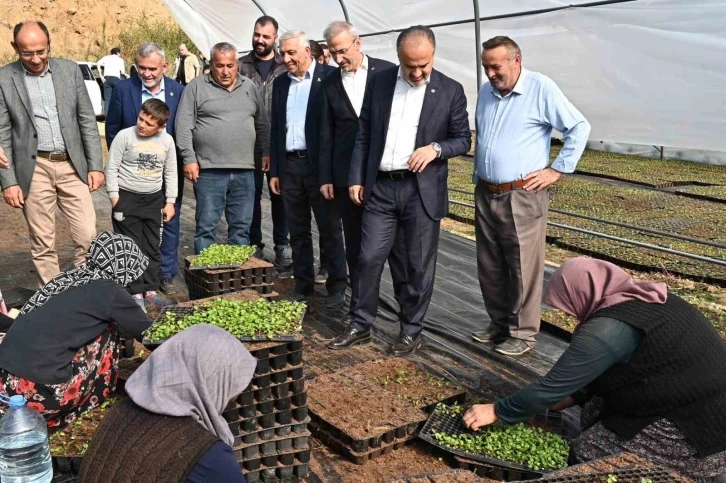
336 53
30 55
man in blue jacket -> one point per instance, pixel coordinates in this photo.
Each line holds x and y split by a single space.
126 101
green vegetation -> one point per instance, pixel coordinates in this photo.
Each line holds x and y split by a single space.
240 318
717 192
216 255
74 439
532 447
168 35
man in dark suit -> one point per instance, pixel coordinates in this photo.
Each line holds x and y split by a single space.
413 119
126 100
294 167
342 98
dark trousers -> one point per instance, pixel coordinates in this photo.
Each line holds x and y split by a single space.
352 216
393 206
108 86
280 234
139 217
170 238
301 193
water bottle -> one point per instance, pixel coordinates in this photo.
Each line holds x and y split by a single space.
24 448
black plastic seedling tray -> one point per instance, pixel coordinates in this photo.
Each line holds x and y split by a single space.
496 473
635 475
288 387
293 474
258 433
454 425
287 458
272 447
431 477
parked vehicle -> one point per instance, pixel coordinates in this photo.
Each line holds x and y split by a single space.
94 86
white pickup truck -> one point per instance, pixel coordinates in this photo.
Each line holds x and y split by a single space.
94 86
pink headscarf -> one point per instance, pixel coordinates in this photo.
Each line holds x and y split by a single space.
582 286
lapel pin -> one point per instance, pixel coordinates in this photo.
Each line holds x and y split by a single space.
171 94
319 80
433 90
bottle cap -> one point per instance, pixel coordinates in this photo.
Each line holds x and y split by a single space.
16 401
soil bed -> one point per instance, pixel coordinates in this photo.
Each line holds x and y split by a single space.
74 439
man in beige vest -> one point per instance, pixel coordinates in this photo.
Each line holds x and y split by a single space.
187 66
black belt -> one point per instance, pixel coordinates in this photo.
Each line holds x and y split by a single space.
396 175
54 156
300 153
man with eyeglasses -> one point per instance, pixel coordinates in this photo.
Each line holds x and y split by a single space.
341 98
49 134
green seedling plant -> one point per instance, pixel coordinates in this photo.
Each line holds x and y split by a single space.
531 447
239 318
215 255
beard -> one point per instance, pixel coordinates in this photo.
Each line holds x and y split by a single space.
265 49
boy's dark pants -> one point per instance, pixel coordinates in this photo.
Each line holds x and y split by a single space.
139 217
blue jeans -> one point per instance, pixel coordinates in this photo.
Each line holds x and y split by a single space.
170 238
108 91
228 191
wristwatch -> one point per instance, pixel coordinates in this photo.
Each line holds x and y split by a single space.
437 148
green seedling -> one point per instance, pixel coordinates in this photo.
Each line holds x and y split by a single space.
215 255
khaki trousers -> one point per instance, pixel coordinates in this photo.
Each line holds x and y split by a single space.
56 183
510 241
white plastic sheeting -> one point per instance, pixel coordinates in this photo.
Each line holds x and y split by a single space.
644 72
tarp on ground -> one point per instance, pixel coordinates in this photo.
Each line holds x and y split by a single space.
644 72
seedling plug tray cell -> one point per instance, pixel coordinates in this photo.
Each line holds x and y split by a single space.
292 474
452 425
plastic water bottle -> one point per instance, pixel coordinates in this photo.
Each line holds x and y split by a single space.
24 448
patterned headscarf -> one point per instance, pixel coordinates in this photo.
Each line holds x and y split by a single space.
110 257
194 374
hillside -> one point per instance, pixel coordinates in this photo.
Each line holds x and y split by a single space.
80 29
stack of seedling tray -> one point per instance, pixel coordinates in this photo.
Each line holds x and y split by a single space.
254 274
270 418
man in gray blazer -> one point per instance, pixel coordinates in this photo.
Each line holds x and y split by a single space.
50 138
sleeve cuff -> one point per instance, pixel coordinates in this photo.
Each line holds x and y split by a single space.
171 200
112 194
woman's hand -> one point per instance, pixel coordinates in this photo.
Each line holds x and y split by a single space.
480 415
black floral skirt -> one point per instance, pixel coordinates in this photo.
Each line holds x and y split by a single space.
95 373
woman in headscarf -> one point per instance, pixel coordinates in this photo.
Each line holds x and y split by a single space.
171 429
648 367
62 352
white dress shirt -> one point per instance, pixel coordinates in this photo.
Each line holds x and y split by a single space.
354 84
113 66
297 107
403 124
146 93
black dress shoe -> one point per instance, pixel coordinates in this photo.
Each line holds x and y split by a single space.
334 301
166 285
490 334
350 337
405 345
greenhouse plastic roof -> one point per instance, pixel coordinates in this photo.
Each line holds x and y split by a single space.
649 72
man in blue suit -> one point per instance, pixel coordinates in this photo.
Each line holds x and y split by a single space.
128 95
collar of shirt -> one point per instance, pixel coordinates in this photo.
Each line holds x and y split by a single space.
27 72
145 89
518 87
363 67
308 74
238 82
405 79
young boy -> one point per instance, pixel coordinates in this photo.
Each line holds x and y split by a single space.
141 160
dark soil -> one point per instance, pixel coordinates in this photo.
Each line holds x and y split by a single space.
361 410
405 379
73 440
243 296
126 367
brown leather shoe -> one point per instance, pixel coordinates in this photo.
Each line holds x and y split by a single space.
350 337
405 345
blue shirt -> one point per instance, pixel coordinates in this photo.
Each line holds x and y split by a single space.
218 465
297 107
146 93
514 131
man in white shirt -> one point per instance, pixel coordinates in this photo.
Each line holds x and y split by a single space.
113 69
341 97
413 119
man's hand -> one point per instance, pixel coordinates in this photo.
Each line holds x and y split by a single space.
95 180
168 211
113 202
328 191
4 163
275 185
480 415
541 179
421 158
191 172
357 193
265 164
14 196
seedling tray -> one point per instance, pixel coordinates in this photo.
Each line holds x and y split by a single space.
454 425
184 311
219 284
496 473
458 476
259 434
278 459
393 440
272 447
251 262
253 395
635 475
267 421
293 473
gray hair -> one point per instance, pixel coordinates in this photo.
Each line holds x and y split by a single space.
503 41
148 48
222 47
417 31
338 27
295 34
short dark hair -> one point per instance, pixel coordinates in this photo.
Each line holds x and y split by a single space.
416 31
316 51
115 51
41 25
502 41
265 19
157 110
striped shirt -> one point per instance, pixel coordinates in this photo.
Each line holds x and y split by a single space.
45 109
